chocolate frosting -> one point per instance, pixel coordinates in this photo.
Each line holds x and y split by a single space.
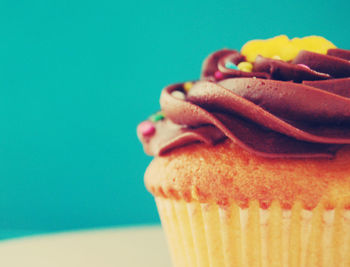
297 109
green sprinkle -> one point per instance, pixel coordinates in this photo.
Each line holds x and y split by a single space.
157 116
230 65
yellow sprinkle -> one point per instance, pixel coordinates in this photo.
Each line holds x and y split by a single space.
187 86
277 57
245 66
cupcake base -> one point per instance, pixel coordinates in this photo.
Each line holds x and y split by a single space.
208 235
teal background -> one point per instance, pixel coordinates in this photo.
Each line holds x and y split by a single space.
76 77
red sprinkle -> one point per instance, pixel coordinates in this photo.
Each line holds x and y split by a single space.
218 75
146 128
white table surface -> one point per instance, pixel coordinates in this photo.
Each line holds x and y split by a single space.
129 247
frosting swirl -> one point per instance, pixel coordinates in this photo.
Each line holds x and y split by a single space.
296 108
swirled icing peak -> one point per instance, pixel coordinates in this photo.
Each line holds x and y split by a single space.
276 98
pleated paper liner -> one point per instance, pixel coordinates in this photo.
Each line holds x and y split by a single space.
206 235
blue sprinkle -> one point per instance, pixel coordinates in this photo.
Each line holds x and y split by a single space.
230 65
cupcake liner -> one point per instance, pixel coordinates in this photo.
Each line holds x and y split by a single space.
208 235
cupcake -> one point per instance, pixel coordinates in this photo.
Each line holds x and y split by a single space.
252 161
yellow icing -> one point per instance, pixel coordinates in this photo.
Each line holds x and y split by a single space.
284 48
